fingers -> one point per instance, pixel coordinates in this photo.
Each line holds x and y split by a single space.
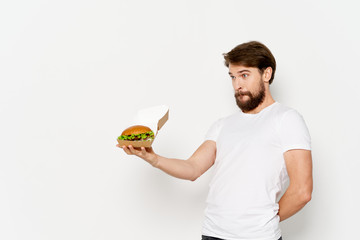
126 150
143 151
140 152
130 150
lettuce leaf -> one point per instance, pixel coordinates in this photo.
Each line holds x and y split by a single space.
137 137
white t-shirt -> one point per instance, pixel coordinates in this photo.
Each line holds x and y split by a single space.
250 172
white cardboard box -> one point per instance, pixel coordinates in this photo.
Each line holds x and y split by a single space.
154 118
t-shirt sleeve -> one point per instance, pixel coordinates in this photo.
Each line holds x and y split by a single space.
294 133
214 130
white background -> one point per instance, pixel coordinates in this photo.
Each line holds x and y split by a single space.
73 73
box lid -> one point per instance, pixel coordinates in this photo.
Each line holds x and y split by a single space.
153 117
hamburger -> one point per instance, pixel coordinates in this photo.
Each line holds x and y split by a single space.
137 133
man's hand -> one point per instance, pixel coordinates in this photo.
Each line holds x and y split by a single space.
147 154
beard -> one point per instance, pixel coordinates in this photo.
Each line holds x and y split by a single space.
253 101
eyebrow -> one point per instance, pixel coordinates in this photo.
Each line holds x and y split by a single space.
241 71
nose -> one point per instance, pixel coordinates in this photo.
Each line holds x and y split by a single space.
237 83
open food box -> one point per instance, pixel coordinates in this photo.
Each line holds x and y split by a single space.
154 118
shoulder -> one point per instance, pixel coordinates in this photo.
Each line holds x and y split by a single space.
284 112
292 130
282 109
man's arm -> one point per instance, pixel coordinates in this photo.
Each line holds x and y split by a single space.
299 168
190 169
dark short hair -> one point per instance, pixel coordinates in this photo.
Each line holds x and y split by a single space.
252 54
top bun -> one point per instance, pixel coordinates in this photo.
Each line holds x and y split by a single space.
137 129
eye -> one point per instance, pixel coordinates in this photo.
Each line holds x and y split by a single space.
245 75
232 77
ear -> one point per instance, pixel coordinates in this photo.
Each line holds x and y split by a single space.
267 74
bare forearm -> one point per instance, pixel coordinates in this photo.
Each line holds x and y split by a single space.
299 168
176 167
292 202
190 169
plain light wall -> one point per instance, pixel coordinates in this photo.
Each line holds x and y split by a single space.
74 72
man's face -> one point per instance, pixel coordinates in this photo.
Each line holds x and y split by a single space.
248 85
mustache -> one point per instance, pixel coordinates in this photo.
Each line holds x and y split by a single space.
239 93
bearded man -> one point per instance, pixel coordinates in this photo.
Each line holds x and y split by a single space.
261 156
